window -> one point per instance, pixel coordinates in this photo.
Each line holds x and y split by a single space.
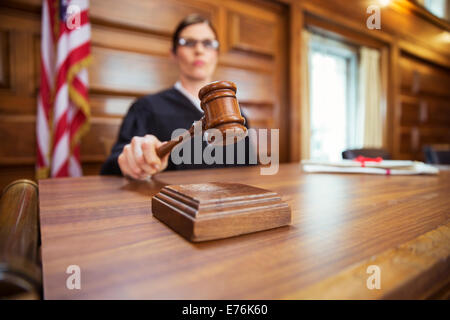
437 7
333 95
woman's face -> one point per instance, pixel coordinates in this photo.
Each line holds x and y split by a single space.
196 63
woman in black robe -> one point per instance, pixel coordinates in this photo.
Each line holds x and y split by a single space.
153 118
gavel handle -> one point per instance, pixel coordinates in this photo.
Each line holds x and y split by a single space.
169 145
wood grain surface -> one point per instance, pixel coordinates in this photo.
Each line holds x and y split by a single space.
105 226
416 269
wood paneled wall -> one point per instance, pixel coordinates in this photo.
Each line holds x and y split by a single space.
424 109
415 58
131 41
260 51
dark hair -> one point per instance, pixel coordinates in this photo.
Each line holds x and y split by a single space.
188 21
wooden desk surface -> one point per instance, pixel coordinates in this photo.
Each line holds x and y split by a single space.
341 224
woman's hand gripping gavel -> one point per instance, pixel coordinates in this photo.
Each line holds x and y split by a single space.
139 159
145 156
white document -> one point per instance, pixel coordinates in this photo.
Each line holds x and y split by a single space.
385 167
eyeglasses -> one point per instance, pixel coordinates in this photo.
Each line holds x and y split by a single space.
211 44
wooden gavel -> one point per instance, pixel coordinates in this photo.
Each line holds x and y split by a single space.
221 108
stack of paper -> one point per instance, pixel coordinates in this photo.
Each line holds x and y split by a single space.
386 167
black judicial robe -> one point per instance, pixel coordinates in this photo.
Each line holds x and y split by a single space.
160 114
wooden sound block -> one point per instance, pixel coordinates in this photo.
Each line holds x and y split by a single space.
218 210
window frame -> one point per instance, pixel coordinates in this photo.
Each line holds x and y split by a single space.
325 45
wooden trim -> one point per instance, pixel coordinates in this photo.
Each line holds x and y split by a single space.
422 12
406 272
250 10
328 28
235 42
385 101
17 161
4 59
394 99
424 53
24 5
281 106
13 19
296 19
343 21
222 23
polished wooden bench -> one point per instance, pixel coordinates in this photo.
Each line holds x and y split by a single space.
342 224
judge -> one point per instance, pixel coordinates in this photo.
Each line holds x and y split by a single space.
153 118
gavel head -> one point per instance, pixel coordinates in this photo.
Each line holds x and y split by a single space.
219 102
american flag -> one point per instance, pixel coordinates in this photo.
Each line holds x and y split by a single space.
63 110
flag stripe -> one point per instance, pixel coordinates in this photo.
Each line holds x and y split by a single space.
45 92
49 19
74 57
80 87
47 47
61 103
62 152
70 41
